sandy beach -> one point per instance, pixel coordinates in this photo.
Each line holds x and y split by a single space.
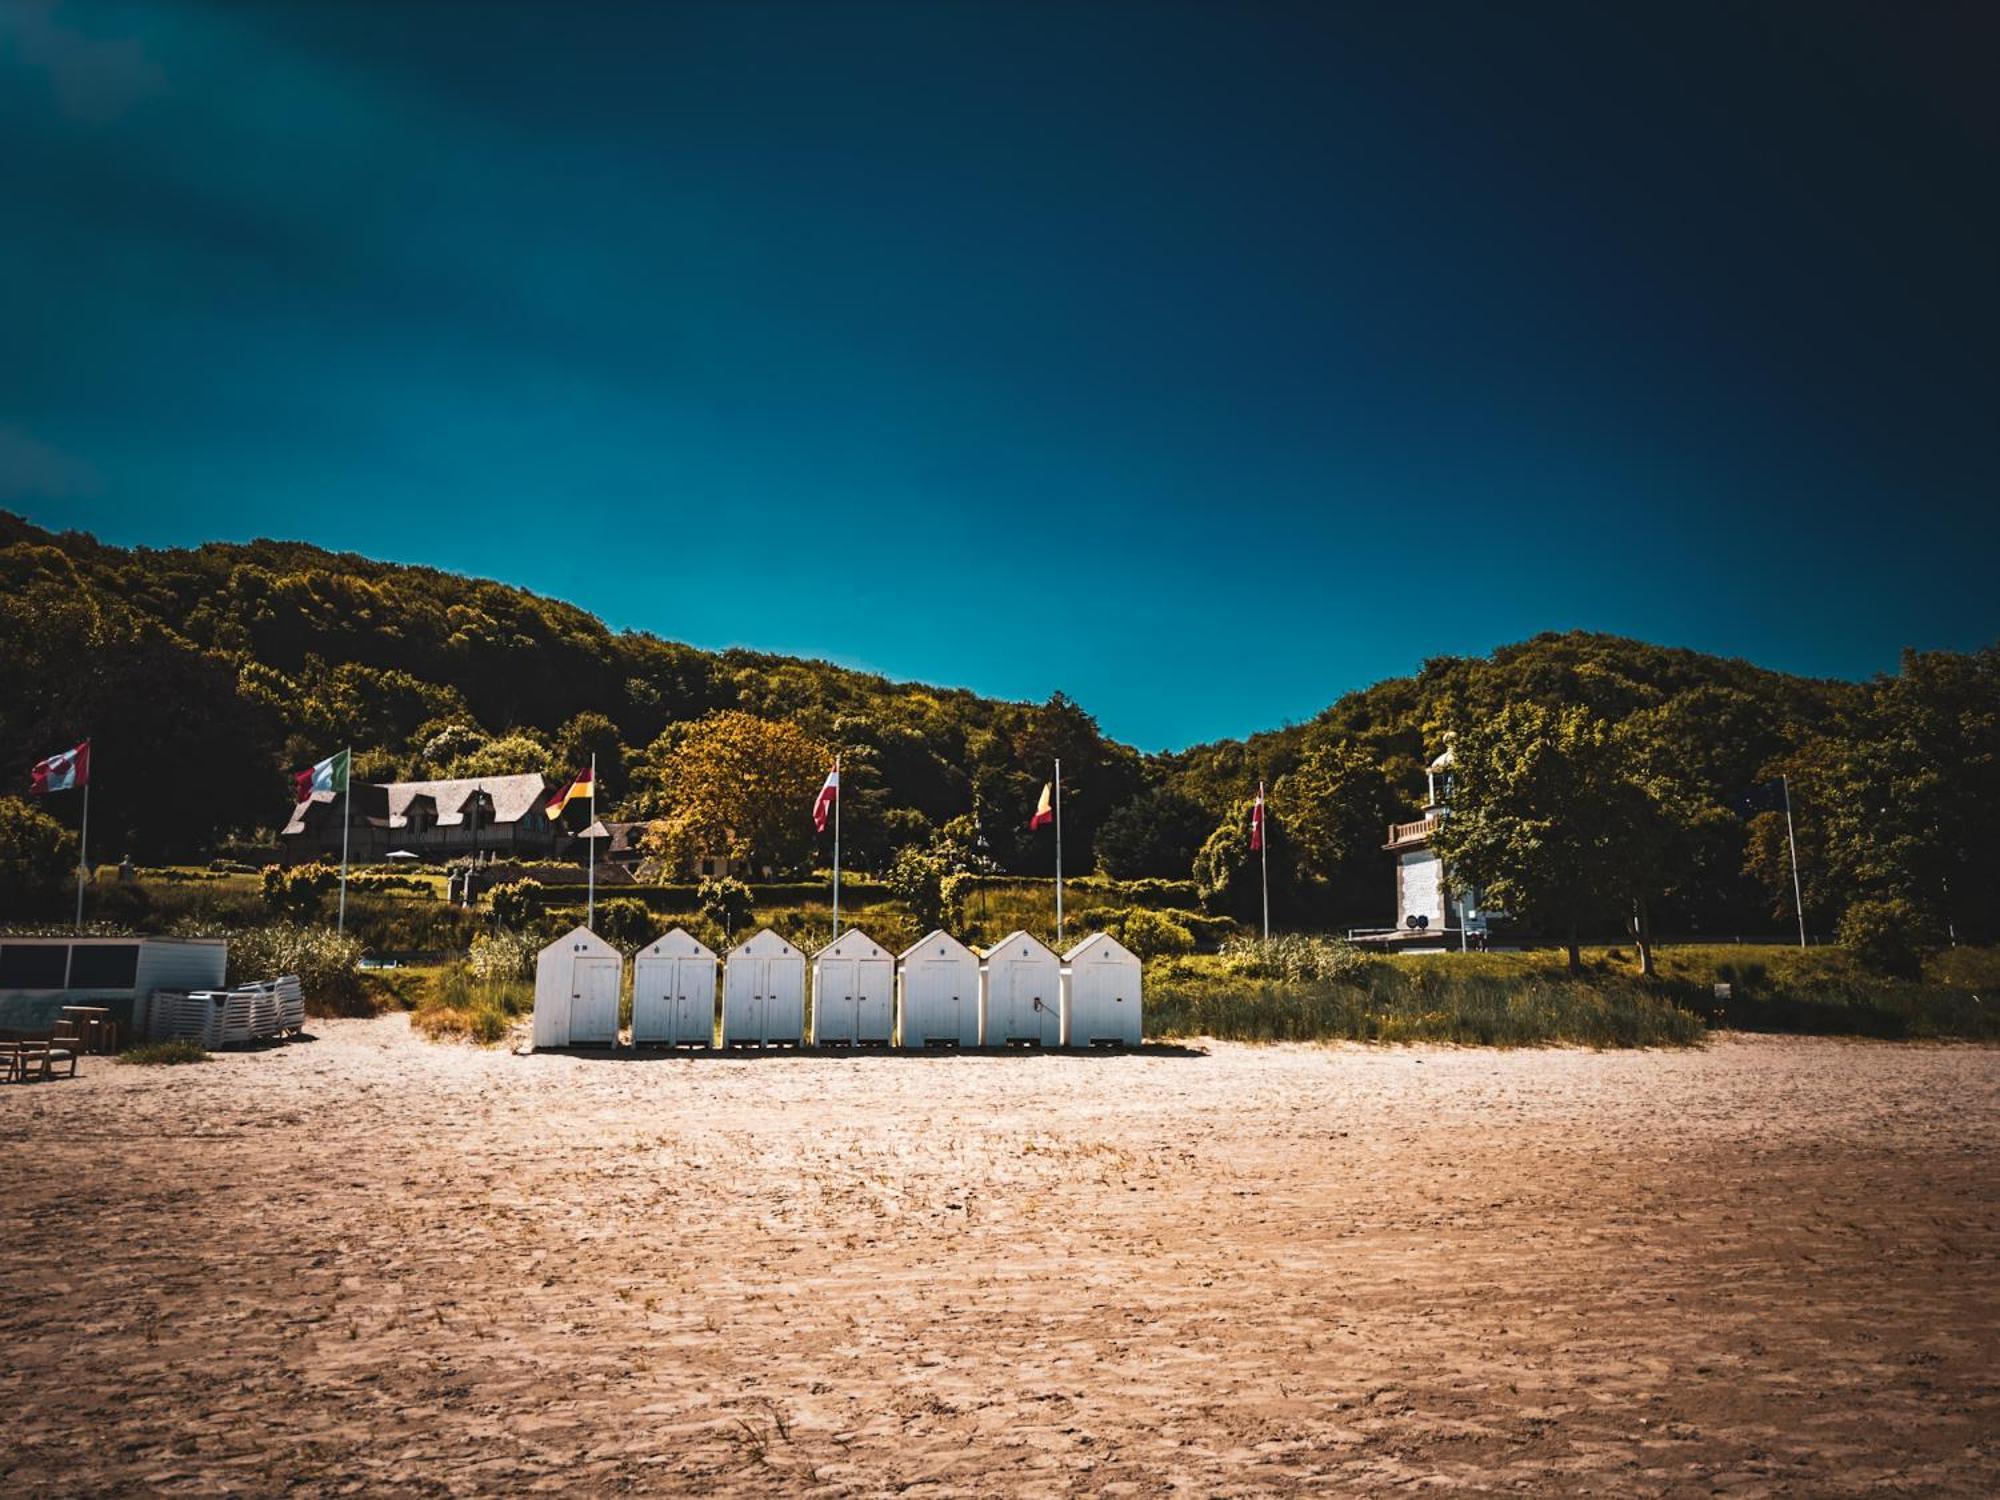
366 1262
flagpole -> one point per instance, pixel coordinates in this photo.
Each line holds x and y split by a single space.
590 910
346 825
1264 854
1791 838
83 851
1059 914
836 846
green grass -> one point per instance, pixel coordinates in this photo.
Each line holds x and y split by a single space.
448 1001
164 1054
1391 1003
1522 999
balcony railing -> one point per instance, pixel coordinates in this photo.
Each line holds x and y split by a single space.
1410 833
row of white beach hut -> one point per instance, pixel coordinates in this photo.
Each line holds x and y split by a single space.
938 993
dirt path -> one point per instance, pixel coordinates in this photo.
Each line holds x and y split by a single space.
368 1261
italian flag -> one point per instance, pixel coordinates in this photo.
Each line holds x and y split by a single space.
829 793
1045 810
330 775
583 789
62 772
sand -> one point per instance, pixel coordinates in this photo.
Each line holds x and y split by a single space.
369 1262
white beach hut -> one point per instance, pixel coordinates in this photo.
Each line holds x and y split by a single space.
854 992
1020 994
763 992
1100 995
673 993
576 992
937 988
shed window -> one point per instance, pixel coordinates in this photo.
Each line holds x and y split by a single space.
104 966
33 966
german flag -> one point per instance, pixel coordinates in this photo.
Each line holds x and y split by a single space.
580 789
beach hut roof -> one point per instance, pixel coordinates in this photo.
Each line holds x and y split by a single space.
1014 939
854 943
582 938
764 944
676 942
936 938
1100 940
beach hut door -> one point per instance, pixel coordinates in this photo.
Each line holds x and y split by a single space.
693 1003
842 1018
593 1006
759 1017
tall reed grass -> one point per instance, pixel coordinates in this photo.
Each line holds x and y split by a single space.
1386 1003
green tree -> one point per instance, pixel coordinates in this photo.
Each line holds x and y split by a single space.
1553 819
1229 874
37 858
738 785
1339 805
577 741
924 881
515 754
1155 834
727 902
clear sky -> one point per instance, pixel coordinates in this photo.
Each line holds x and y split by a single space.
1201 361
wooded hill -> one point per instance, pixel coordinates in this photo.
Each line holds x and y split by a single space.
205 675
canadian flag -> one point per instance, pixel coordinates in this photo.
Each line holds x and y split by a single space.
829 793
61 773
1257 822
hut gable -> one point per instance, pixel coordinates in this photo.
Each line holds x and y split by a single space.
581 940
764 944
677 943
937 944
1100 945
854 943
1012 943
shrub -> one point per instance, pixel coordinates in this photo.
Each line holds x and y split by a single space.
516 903
1888 936
625 923
503 955
1296 957
390 880
37 857
726 902
297 892
925 883
461 1004
1150 934
324 961
164 1054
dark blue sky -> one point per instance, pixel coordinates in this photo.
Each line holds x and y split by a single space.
1203 362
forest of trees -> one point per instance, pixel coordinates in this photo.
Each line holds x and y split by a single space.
204 676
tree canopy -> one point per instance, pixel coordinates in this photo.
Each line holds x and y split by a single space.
205 675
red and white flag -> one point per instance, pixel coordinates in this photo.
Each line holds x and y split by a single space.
61 773
829 793
1045 810
1257 822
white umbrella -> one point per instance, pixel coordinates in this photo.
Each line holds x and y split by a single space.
401 854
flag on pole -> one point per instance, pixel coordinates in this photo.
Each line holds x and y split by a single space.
63 772
1257 822
1045 810
829 793
583 789
330 775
